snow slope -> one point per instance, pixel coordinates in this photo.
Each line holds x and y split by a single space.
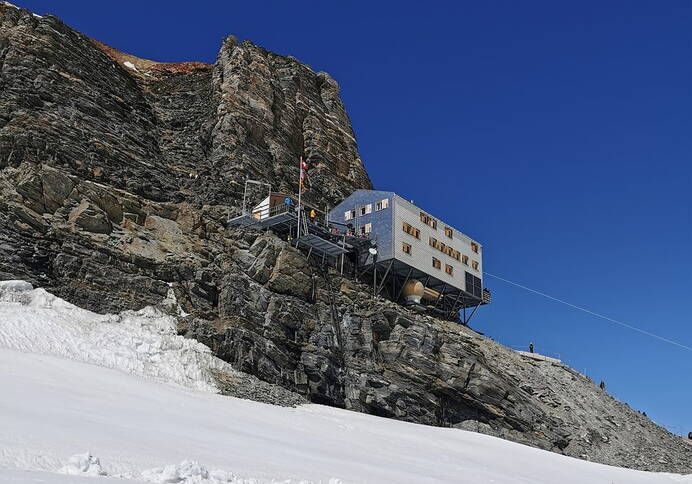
53 407
143 343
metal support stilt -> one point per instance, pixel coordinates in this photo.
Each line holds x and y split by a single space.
454 305
384 278
343 246
408 276
439 298
471 315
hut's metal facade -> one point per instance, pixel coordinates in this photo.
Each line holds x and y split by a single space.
412 241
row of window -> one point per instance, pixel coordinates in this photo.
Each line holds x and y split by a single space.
449 231
437 264
441 246
432 222
428 220
455 254
411 230
366 209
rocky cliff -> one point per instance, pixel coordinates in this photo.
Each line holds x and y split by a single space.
117 177
94 137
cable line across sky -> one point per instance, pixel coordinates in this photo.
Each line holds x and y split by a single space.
592 313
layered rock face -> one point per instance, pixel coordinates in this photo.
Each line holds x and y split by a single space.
91 137
117 178
142 126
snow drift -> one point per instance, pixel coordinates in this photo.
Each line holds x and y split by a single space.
142 342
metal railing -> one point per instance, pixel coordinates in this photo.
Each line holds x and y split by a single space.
275 210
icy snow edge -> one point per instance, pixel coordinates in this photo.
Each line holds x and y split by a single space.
142 343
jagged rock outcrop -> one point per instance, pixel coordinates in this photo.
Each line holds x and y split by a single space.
91 137
118 175
70 102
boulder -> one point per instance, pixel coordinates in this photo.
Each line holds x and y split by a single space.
292 275
90 217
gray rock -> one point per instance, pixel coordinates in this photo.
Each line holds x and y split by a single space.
90 218
291 275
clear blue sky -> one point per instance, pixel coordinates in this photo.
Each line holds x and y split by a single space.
558 134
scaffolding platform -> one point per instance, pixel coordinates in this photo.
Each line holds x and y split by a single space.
320 246
282 222
242 221
278 220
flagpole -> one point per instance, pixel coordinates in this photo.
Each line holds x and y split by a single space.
300 191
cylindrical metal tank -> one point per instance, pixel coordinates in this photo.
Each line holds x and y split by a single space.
430 294
413 291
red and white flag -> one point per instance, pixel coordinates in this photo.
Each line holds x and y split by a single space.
303 173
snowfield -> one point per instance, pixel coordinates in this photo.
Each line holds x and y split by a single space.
142 343
87 398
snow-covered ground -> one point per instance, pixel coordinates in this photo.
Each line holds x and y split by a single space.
142 343
165 424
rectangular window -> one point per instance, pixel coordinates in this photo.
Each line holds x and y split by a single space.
474 247
349 214
465 259
474 264
449 269
473 285
382 204
432 241
436 263
406 248
366 209
411 230
428 220
449 232
456 255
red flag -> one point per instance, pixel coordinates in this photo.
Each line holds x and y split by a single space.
303 173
